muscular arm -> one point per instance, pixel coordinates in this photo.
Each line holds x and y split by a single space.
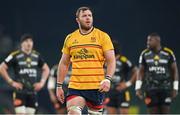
139 79
4 73
61 73
124 85
111 62
174 71
140 74
45 73
63 68
133 75
175 79
111 65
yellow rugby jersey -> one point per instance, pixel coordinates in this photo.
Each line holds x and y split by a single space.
87 58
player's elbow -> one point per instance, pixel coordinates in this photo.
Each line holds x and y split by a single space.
2 68
46 69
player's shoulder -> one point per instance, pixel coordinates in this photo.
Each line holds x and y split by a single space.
99 31
16 52
168 50
123 58
74 33
145 51
35 52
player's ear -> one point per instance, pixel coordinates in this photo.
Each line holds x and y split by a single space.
77 20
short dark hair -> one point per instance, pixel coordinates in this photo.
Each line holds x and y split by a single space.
26 36
83 8
154 34
117 47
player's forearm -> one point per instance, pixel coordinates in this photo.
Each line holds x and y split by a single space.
139 79
62 72
134 75
52 96
175 76
62 69
111 66
175 72
5 75
140 73
45 73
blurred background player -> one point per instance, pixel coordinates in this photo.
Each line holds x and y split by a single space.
59 107
26 64
124 77
87 48
159 74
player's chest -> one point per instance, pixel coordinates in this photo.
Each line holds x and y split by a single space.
27 61
157 59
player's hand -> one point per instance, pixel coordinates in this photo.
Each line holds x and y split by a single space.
38 86
56 105
105 85
121 86
174 93
17 85
139 94
60 94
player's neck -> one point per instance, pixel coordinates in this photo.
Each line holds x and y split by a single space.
157 49
84 31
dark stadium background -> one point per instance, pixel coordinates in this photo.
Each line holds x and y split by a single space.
128 21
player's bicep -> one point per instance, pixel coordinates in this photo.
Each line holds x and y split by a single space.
174 67
45 66
109 55
141 71
65 59
3 66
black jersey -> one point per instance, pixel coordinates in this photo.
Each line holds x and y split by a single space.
25 68
123 68
157 68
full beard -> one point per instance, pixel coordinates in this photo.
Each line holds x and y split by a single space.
86 28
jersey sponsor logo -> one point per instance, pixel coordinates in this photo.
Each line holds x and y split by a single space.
75 42
31 72
26 63
34 55
158 69
150 61
20 56
163 61
156 57
164 53
22 63
34 63
83 54
93 39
